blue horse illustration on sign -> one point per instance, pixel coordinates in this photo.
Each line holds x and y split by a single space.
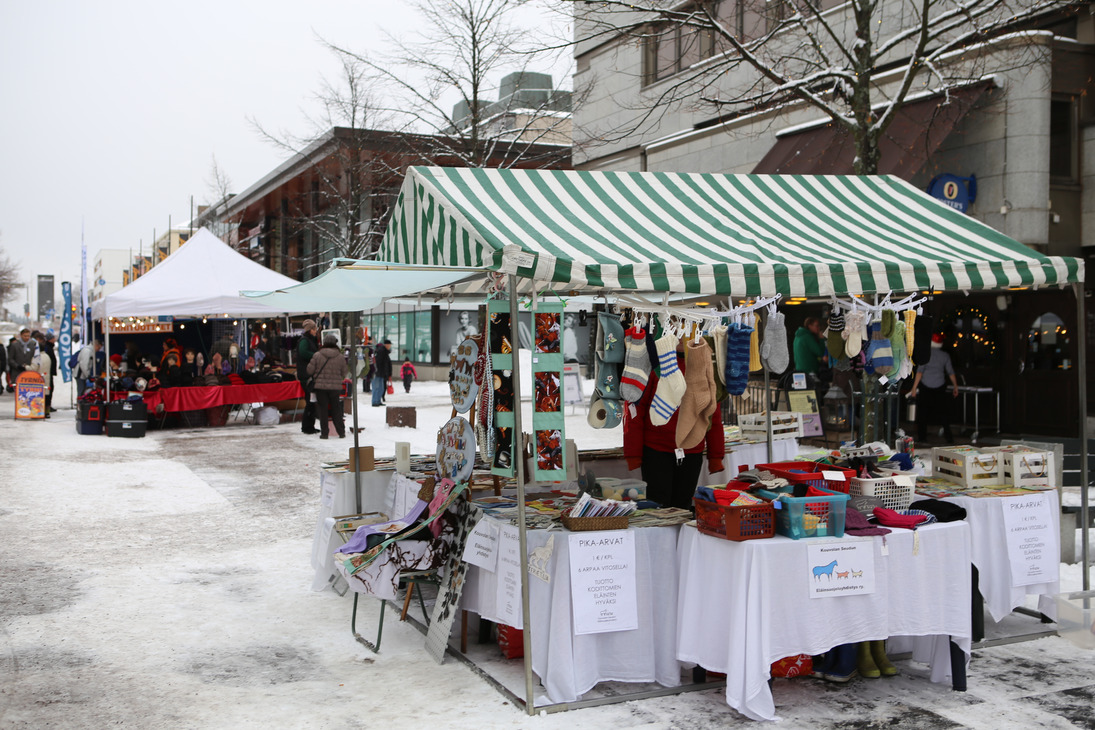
820 570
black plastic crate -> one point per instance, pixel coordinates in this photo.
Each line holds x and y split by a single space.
126 429
124 410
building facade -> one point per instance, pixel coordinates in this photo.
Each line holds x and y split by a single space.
1019 135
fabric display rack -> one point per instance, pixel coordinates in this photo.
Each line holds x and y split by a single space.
638 236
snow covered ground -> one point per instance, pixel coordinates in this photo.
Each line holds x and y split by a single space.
164 583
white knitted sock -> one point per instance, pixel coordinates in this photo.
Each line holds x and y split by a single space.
671 385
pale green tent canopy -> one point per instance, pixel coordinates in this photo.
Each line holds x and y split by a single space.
739 235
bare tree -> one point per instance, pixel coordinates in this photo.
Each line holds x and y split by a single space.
857 61
463 44
10 282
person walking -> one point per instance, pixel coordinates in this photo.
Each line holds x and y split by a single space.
3 366
46 344
934 405
382 372
306 350
367 370
43 365
408 373
328 367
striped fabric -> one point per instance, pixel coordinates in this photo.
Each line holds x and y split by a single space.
741 235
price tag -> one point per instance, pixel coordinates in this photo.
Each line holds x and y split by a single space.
902 481
679 453
631 409
883 379
834 476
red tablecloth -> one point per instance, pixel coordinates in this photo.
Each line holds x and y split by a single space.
207 396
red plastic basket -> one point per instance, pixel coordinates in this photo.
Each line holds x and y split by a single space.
809 472
744 522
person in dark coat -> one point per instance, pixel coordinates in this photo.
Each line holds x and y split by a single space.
328 367
382 372
3 366
306 349
46 345
367 370
170 375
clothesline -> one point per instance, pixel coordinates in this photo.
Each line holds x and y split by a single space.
912 301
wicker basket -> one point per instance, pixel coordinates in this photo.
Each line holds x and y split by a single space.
590 524
742 522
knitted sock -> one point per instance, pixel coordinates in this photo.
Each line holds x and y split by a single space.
754 350
667 396
897 343
737 358
774 350
879 353
636 366
910 329
698 396
888 319
835 339
922 343
718 337
716 376
855 331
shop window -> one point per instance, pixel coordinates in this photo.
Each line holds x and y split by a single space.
406 336
423 335
972 340
1064 147
1049 344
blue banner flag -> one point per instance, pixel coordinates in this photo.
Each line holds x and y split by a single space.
66 332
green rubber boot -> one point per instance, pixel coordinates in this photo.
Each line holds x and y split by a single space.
865 662
878 653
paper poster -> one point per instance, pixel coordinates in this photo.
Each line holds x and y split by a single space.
844 568
482 546
508 598
549 428
602 581
1030 528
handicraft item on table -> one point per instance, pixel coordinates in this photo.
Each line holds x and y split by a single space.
500 339
549 434
456 450
462 385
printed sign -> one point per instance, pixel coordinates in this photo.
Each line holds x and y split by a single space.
30 395
508 598
602 581
1032 540
482 546
844 568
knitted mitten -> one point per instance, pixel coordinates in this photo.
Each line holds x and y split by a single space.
698 402
737 358
897 343
835 340
879 353
718 338
888 319
910 328
774 350
922 343
855 331
636 366
667 396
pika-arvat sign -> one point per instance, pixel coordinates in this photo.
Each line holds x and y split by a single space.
141 327
1031 533
841 568
602 582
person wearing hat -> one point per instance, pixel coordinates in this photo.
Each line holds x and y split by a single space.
21 354
382 372
934 403
306 350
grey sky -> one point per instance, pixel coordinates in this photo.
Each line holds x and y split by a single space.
113 111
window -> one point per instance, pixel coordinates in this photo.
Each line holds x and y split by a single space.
669 48
1049 345
423 335
1064 148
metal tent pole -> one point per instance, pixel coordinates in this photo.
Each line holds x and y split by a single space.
106 326
519 460
1081 358
353 406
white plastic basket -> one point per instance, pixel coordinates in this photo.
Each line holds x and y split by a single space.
892 495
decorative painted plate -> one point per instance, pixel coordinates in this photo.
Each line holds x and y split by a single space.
456 450
462 386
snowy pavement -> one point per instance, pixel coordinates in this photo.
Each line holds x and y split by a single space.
164 582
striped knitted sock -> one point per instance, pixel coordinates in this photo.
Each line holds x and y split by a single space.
667 396
737 358
636 366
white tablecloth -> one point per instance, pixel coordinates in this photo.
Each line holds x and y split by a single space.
569 665
744 605
738 455
990 554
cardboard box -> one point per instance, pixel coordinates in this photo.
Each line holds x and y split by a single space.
401 416
362 454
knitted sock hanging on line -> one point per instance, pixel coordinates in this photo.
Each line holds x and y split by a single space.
754 349
698 402
835 340
636 366
667 396
910 320
737 358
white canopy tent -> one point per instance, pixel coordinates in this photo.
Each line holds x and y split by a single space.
202 278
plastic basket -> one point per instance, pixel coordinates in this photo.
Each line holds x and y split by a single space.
892 495
799 517
809 472
743 522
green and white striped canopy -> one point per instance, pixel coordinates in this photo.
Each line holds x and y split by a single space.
738 235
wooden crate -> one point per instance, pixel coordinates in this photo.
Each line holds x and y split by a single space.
785 425
968 466
401 416
1024 466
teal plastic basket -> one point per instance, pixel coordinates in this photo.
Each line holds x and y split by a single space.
799 517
